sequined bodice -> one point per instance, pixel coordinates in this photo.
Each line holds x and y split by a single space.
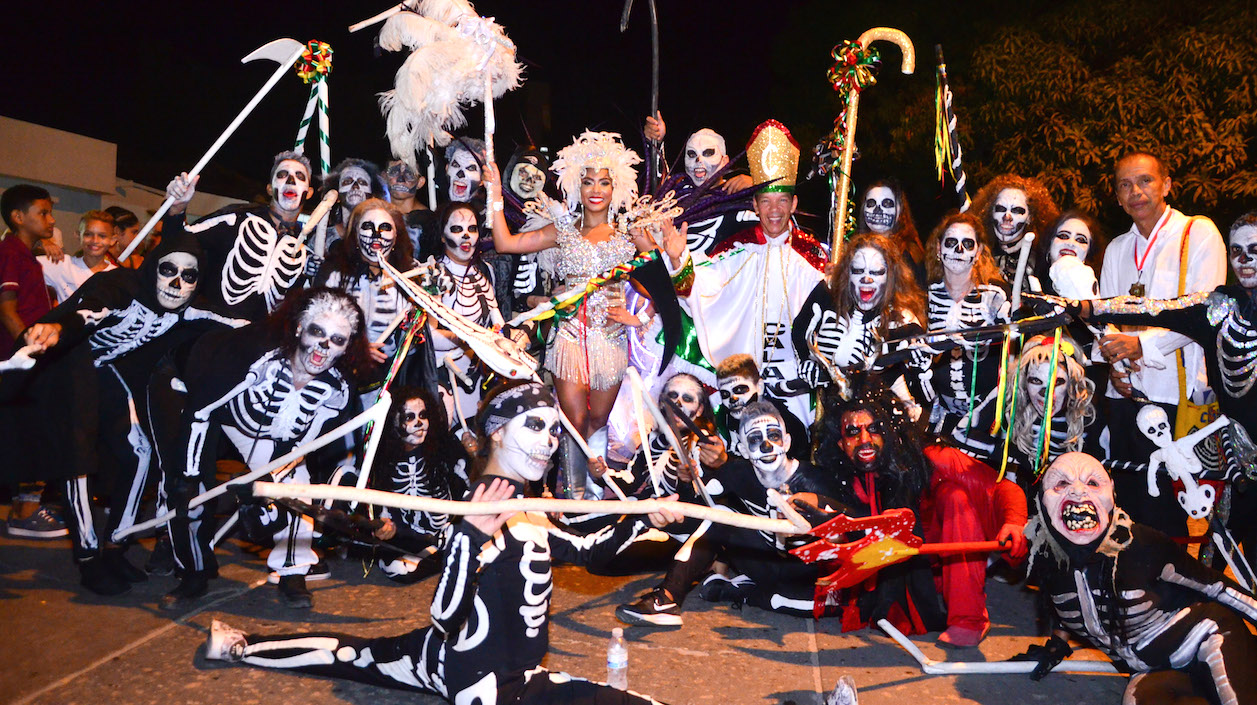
580 259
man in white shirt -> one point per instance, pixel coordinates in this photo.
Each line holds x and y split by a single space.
67 274
1146 261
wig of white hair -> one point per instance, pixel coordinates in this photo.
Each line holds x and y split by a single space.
330 303
1079 408
597 150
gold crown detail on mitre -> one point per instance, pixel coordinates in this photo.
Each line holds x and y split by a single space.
773 156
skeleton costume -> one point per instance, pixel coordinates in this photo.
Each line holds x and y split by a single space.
705 159
527 176
490 613
1136 594
241 386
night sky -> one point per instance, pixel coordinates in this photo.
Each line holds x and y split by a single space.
162 80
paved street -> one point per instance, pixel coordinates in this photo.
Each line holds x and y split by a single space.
63 645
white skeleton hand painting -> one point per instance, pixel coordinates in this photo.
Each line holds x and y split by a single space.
1179 459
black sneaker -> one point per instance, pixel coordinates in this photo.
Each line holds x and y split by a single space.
653 608
718 588
117 561
97 576
294 593
43 524
162 560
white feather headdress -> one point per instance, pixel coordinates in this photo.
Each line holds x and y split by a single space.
597 150
452 49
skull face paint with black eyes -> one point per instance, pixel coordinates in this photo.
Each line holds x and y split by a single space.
461 235
1011 213
528 441
1154 423
527 180
868 277
1072 238
322 338
738 391
463 172
704 155
412 423
958 248
176 279
1037 377
1242 252
686 394
377 234
1078 498
354 187
763 440
881 209
290 183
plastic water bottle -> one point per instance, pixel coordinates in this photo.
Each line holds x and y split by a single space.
617 660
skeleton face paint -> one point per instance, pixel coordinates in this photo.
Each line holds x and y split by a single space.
463 172
686 394
323 338
412 423
1011 213
527 180
704 155
738 391
403 182
528 441
1154 424
1078 498
354 186
176 279
862 439
1242 253
377 233
1037 377
881 209
868 277
764 441
461 235
959 248
289 185
1073 238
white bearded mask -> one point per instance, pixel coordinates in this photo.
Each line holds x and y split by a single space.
763 440
868 277
289 185
412 422
1011 213
1243 255
1155 424
705 153
1078 498
322 338
738 391
528 442
463 172
1072 238
959 248
686 394
354 187
176 279
461 235
377 234
527 180
881 209
1037 378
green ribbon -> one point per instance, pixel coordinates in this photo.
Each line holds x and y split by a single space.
688 348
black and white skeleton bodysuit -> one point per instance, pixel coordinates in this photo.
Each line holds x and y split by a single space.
1141 598
380 307
254 404
964 378
418 533
490 623
250 262
472 297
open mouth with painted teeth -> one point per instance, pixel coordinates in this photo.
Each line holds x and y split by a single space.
317 359
1080 516
1246 272
866 454
700 173
461 188
1066 252
880 220
866 294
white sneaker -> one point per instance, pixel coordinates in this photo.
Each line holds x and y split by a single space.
318 571
225 643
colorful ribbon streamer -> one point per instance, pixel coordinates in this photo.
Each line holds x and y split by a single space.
315 63
855 68
313 67
947 151
568 303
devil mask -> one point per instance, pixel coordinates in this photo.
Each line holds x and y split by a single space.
1077 498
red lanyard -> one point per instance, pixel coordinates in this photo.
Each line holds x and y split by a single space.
1140 261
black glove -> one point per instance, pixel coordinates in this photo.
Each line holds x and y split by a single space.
1046 305
1049 655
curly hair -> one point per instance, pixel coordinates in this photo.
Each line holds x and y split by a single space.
902 292
984 271
1095 251
346 257
597 150
904 471
439 445
1079 408
433 243
904 232
1043 210
285 325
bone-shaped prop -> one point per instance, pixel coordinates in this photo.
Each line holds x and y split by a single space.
22 359
937 668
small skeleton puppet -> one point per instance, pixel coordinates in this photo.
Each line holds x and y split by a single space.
253 255
1010 207
269 389
884 211
1179 459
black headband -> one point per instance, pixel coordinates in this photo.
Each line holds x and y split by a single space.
502 408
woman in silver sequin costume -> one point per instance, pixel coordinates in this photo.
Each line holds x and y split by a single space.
588 353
